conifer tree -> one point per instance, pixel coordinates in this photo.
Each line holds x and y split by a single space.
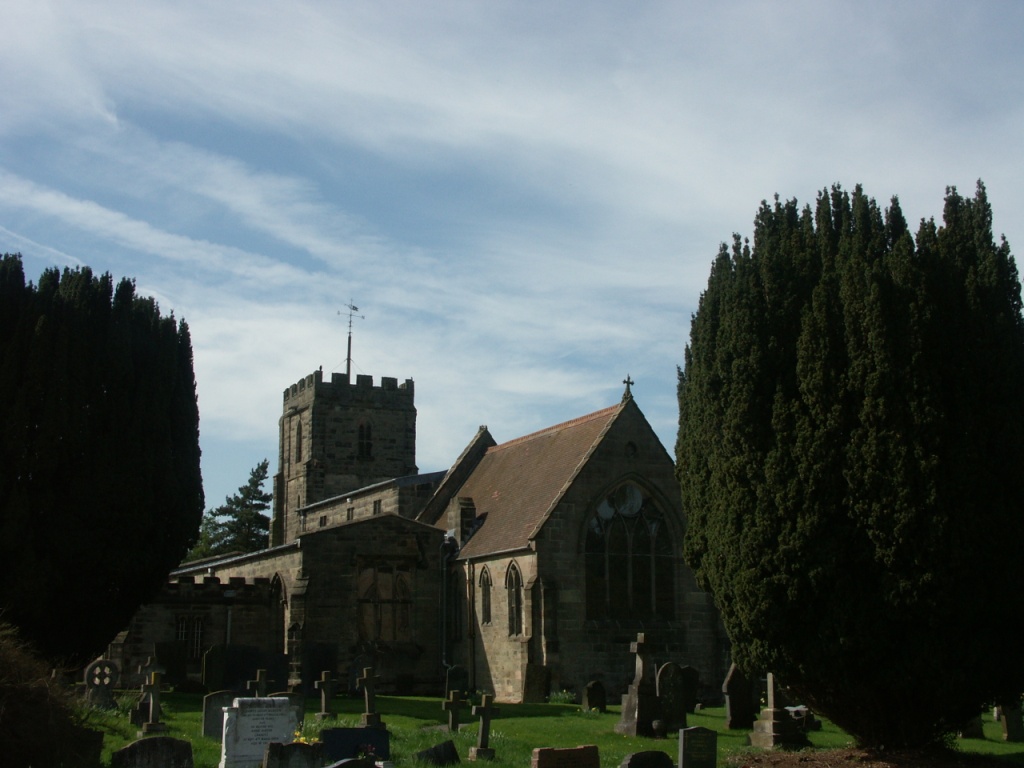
237 525
850 456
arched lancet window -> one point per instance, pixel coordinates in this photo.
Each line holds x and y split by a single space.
364 447
298 443
485 596
514 587
628 559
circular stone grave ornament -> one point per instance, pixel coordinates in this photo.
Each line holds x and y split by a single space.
100 678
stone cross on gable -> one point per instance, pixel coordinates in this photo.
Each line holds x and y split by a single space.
452 706
485 711
258 687
327 686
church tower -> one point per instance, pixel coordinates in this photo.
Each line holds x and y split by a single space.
337 437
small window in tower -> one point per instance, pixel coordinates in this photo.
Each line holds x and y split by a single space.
298 443
377 506
365 445
350 513
323 521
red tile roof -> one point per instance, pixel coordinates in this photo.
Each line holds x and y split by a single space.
518 483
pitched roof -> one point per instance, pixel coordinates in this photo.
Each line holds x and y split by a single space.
517 484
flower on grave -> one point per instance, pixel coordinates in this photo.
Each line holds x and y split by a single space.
367 751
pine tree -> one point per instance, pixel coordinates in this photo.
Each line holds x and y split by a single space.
238 525
849 456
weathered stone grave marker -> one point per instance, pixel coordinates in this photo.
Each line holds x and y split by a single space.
351 743
740 710
640 703
648 759
213 713
575 757
151 690
440 754
452 705
154 752
690 688
1013 725
368 682
327 687
279 755
100 678
594 697
258 688
672 695
698 748
252 723
776 727
485 711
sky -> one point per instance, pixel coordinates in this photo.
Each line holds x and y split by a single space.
523 199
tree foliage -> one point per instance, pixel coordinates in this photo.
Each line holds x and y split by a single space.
850 455
100 487
238 525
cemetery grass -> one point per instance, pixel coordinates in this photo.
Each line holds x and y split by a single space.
417 723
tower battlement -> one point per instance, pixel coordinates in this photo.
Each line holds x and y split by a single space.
339 384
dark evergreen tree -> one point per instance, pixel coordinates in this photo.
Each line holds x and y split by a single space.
100 487
238 525
850 456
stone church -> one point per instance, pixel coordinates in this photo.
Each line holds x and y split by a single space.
531 563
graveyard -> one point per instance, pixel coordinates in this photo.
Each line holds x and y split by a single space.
415 725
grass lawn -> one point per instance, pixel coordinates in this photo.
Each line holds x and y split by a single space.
414 725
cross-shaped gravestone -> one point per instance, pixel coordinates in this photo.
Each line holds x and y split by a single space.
643 672
485 711
368 682
327 686
452 706
152 690
150 666
258 688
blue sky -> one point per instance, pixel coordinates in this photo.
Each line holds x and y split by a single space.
523 199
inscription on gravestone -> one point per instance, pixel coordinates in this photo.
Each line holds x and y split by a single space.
251 724
698 748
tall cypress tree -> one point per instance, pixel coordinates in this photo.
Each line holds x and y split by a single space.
100 487
850 453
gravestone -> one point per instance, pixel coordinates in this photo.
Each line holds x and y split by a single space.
348 743
368 682
649 759
439 754
776 727
355 671
154 752
213 713
698 748
257 688
353 762
452 705
298 701
673 696
279 755
148 667
152 691
640 703
576 757
456 679
1013 726
100 678
485 711
740 709
594 697
972 729
690 688
327 686
252 723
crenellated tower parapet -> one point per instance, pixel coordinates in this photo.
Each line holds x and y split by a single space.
338 436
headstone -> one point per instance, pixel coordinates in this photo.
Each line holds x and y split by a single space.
456 679
439 754
279 755
213 713
673 693
594 697
148 667
640 702
452 705
353 762
252 723
368 682
740 709
698 748
100 678
298 701
776 727
151 690
1013 726
576 757
258 688
690 688
485 711
327 686
972 729
650 759
348 743
154 752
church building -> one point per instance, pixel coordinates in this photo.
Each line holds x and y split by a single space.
531 563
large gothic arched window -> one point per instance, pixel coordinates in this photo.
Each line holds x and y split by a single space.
628 558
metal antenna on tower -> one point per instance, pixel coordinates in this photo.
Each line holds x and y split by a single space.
352 309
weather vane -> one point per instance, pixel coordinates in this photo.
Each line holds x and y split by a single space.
352 309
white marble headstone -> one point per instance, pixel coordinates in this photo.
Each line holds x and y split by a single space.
251 724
